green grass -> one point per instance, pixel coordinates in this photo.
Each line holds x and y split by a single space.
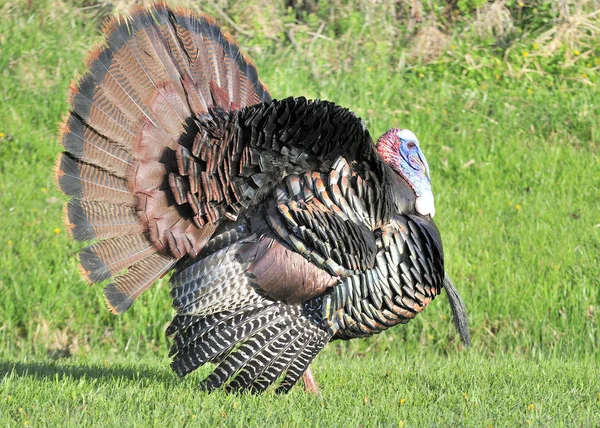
521 230
415 391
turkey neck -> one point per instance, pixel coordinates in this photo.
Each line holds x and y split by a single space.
400 197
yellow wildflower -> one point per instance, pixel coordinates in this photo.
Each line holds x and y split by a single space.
2 134
525 54
56 230
536 46
497 77
10 243
517 207
596 61
531 406
369 68
529 91
44 190
584 75
576 52
402 401
400 424
550 83
421 75
452 47
521 4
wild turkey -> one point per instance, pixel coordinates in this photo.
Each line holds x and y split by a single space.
286 226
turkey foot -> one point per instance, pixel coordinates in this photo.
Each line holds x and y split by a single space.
310 385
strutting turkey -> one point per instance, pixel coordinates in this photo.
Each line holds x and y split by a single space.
286 226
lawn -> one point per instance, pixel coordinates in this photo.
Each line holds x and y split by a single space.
383 388
516 174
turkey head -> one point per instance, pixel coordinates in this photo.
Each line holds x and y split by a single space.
400 149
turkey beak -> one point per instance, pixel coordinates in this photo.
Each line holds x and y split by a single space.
424 166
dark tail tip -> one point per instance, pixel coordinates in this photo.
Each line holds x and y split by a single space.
92 267
67 175
79 226
117 301
459 312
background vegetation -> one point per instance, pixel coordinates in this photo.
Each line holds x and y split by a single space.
504 98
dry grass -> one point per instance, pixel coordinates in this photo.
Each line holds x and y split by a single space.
576 30
573 37
429 44
493 19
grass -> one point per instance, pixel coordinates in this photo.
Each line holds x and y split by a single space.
416 391
516 174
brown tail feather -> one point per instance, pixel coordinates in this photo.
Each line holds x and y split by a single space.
126 288
88 182
85 144
107 258
229 68
96 110
87 220
154 70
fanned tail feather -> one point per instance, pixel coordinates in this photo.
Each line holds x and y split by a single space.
121 294
154 71
87 145
108 258
87 220
89 182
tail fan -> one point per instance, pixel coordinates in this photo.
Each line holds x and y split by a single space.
154 71
459 311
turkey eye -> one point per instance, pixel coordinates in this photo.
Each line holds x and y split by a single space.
410 145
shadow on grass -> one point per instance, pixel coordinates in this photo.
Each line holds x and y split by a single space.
56 370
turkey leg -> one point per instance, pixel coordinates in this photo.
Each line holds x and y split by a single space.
310 385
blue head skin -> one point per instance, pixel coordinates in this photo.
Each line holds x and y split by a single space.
400 149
